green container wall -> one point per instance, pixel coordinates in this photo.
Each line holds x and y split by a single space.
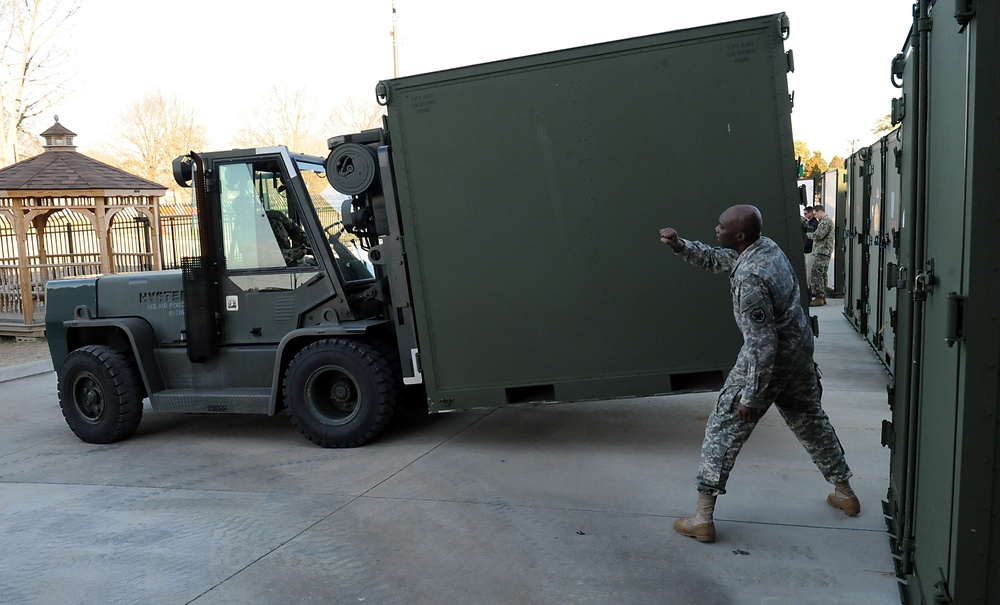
532 191
944 495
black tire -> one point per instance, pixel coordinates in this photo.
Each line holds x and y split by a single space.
100 393
339 392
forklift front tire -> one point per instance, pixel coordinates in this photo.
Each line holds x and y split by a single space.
340 392
100 393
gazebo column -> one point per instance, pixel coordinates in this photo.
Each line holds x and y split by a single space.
103 234
39 221
24 273
155 233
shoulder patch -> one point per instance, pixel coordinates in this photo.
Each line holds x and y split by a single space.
754 307
752 299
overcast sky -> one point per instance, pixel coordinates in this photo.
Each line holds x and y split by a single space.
222 55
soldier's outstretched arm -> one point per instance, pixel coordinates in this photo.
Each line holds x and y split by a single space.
718 260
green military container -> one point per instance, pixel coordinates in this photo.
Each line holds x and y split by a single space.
854 168
944 493
531 192
887 242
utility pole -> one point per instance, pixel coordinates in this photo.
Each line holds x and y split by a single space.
395 43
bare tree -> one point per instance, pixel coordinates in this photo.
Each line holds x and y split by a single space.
152 131
355 115
31 58
285 117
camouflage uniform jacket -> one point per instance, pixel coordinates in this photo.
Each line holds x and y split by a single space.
822 237
291 239
777 338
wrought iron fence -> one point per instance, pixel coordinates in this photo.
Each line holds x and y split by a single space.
69 247
178 239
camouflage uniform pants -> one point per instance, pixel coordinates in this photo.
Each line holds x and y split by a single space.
798 402
817 277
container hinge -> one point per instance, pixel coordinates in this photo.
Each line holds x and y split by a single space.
942 597
964 11
382 94
790 61
892 271
898 110
888 434
791 101
896 72
955 320
890 391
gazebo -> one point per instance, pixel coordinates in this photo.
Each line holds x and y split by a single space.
65 214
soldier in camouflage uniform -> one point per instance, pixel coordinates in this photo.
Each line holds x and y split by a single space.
822 239
291 238
775 365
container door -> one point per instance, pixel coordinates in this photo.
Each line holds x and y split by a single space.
941 274
873 246
852 251
860 184
889 241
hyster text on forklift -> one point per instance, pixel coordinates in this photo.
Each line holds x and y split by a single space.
493 243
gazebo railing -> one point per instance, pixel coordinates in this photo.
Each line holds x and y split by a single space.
10 290
12 304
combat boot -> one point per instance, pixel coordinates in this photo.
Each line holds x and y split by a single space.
819 301
843 497
700 525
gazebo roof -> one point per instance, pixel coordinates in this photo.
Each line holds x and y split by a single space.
68 170
58 129
61 167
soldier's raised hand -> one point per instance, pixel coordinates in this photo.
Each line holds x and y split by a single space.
668 235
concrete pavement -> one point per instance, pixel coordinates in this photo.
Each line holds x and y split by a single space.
546 504
23 370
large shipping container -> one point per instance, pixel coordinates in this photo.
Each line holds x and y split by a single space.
531 192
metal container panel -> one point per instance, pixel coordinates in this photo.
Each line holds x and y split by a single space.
888 243
532 190
854 237
874 252
944 479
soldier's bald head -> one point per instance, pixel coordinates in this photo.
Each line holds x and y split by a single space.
742 219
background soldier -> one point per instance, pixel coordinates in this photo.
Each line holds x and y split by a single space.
809 224
775 365
822 239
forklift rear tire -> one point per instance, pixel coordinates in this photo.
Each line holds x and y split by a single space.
340 392
100 393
